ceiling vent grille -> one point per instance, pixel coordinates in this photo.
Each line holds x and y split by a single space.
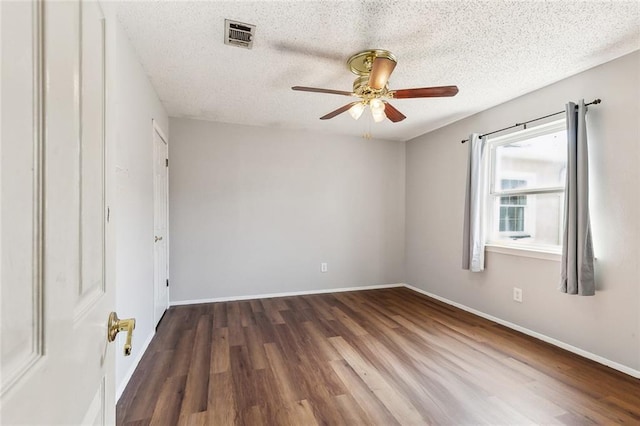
238 34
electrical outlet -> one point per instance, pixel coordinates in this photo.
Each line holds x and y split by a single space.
323 267
517 294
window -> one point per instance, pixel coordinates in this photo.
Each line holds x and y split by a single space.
525 199
512 207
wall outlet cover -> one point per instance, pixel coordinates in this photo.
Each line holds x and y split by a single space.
517 294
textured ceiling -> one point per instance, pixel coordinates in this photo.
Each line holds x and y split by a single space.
493 51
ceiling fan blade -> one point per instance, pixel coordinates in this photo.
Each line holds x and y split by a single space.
380 72
426 92
392 113
338 111
317 90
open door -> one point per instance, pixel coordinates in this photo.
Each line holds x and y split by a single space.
56 251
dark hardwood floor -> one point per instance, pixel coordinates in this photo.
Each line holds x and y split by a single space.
382 357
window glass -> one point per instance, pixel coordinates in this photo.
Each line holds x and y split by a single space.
536 220
526 196
543 158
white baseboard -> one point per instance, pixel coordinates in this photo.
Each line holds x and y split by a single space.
286 294
139 354
597 358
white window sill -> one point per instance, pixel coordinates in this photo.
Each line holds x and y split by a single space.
536 253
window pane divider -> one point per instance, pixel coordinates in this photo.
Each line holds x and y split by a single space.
531 191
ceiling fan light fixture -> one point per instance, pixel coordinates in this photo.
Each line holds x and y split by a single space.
373 69
356 110
377 106
378 116
377 110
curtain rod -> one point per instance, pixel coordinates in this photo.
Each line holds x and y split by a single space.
595 102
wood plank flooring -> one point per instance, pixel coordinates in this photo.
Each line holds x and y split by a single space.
379 357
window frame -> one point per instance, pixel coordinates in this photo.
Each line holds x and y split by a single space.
492 208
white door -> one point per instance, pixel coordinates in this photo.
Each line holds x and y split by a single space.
57 288
160 223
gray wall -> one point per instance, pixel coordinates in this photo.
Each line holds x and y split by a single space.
256 210
132 104
608 324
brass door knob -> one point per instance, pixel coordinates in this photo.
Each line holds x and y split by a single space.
116 325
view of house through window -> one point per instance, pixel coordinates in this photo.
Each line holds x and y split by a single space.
526 187
512 207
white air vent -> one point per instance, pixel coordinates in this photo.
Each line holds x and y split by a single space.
238 33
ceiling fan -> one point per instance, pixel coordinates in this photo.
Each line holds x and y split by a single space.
373 68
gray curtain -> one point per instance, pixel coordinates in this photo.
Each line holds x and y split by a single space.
577 275
473 238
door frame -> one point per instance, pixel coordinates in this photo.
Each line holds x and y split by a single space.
157 129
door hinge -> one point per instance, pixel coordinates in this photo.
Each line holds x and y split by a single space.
166 162
108 213
167 282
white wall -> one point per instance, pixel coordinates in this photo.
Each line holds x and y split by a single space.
608 324
256 210
133 104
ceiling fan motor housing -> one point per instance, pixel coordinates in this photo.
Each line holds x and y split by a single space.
362 89
360 63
